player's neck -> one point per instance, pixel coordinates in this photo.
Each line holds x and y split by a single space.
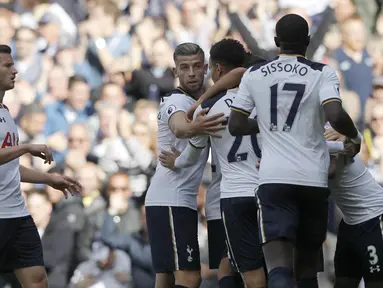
286 52
194 95
2 94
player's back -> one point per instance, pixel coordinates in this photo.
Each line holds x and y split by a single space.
178 187
237 156
11 201
287 95
356 192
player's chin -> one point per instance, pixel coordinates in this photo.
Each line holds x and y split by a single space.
9 86
194 86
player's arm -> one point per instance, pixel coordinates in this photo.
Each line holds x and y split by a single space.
203 124
332 106
228 81
59 182
12 153
243 105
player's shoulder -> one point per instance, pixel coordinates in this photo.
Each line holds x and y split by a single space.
209 103
259 65
176 97
315 66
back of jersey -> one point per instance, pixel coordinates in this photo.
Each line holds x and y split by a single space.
236 155
287 93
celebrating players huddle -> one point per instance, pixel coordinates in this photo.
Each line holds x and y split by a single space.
272 156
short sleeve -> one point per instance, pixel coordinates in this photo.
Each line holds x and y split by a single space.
198 141
329 90
174 104
243 101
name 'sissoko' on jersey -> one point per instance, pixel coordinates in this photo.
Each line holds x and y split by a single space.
279 67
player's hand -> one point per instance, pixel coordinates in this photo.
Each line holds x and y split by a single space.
209 125
41 151
190 112
331 135
65 184
350 149
168 159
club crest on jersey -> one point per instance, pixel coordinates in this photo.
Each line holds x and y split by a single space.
170 109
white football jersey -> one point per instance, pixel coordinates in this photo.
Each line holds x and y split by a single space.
179 187
287 94
12 203
355 191
237 156
213 193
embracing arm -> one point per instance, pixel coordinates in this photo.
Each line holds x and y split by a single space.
180 127
241 124
188 157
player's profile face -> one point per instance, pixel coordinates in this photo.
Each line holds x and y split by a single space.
191 71
7 72
213 71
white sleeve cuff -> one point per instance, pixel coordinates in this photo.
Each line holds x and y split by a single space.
335 146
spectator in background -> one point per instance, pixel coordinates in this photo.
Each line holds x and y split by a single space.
28 60
32 124
106 268
61 115
354 62
101 41
50 30
71 211
122 208
6 28
57 238
136 245
55 88
157 79
93 202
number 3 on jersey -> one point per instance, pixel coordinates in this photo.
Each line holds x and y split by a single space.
300 91
234 157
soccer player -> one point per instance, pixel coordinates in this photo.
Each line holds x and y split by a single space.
20 244
359 249
290 94
237 157
171 207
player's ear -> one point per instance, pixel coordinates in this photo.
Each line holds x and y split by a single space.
174 69
307 41
277 42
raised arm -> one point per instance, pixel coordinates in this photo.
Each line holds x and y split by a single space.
243 105
332 106
228 81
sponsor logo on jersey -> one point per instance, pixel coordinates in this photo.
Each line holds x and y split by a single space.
10 140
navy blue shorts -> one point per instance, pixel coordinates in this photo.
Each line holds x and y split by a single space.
359 250
20 244
216 240
239 216
295 213
173 237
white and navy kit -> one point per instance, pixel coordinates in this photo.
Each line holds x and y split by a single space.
171 200
237 157
215 229
359 251
288 93
20 244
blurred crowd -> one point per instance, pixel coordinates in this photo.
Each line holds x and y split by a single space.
91 74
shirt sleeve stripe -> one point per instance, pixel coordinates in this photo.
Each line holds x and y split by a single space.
331 100
240 110
196 146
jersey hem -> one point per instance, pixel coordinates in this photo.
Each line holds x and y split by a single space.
365 219
291 182
169 205
14 215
